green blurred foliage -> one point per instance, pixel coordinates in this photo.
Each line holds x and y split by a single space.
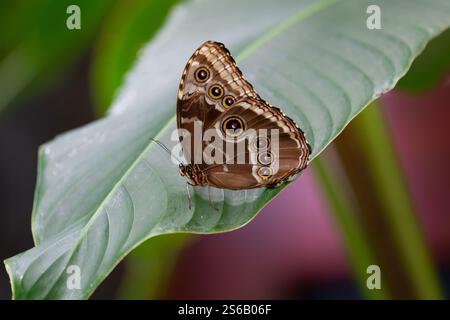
150 267
127 28
430 67
17 17
36 44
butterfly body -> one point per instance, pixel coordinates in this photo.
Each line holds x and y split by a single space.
231 138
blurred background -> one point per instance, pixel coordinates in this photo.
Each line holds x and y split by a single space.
300 246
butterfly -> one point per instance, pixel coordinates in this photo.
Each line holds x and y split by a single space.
213 96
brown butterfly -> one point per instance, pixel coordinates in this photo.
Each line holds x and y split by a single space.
213 95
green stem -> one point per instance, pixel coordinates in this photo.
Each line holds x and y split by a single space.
396 203
358 248
149 268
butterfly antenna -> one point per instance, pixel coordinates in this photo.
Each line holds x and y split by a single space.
159 143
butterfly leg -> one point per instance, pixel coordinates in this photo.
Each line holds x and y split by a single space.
209 198
189 195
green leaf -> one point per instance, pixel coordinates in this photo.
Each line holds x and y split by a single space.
127 28
105 188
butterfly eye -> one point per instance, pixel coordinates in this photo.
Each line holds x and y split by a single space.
261 143
265 157
233 126
216 91
228 101
201 74
265 172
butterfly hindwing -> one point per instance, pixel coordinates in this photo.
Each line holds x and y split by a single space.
284 142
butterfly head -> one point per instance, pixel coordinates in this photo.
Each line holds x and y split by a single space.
182 169
191 172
